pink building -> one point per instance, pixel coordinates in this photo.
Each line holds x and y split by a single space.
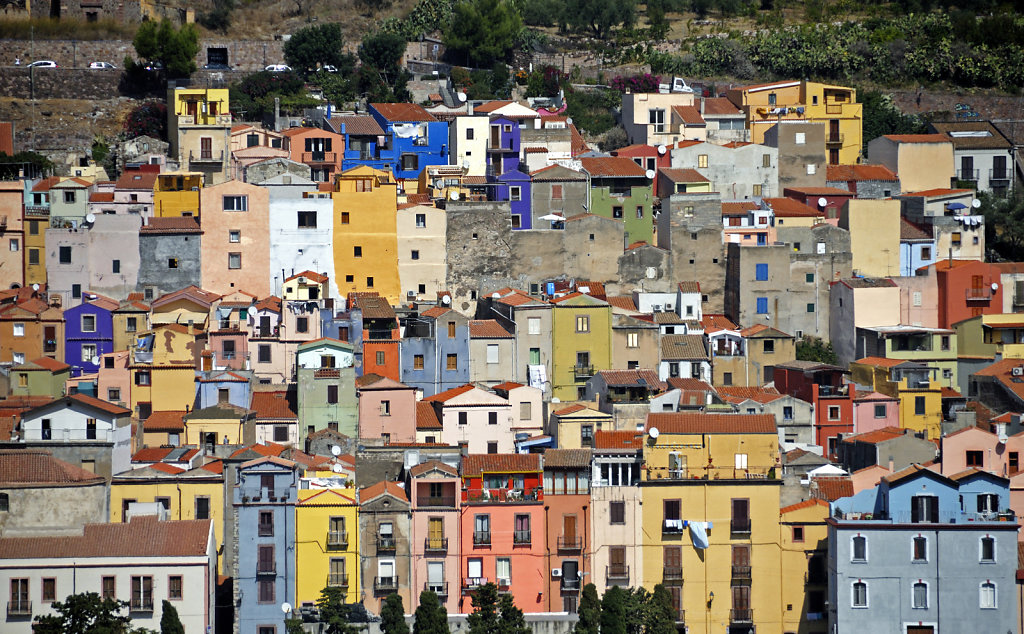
387 410
236 238
868 477
872 411
527 407
435 531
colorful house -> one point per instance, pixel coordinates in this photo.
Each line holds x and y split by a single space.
326 387
322 150
435 543
821 385
89 331
199 130
40 377
415 138
503 146
362 135
967 288
515 186
567 474
177 194
617 544
581 341
385 532
915 384
387 410
804 541
326 544
236 227
30 328
163 376
435 350
365 233
375 333
620 189
479 419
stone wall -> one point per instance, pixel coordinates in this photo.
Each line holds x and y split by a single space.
243 55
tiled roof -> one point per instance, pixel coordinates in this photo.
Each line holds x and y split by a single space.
166 468
789 208
612 166
689 115
381 488
151 454
272 405
194 293
442 397
608 439
632 378
910 471
171 226
373 306
863 172
622 301
34 467
720 106
831 488
556 173
426 416
966 473
435 311
880 362
432 465
875 436
681 383
948 392
567 458
507 386
820 191
868 282
571 409
938 191
699 423
137 180
720 322
683 347
763 331
45 363
402 112
487 329
311 275
101 197
738 208
94 403
490 106
985 135
683 175
806 504
911 231
45 184
577 142
736 394
143 536
476 464
358 125
918 138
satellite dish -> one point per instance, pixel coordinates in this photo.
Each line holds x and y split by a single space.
995 287
649 174
496 295
35 287
286 607
90 218
661 149
337 468
651 272
454 195
336 450
466 163
822 202
653 432
446 300
462 97
568 121
976 203
96 360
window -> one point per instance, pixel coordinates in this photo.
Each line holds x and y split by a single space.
266 590
587 435
345 218
14 244
798 533
702 160
924 508
811 169
757 191
234 260
369 282
617 512
987 598
727 378
493 354
357 252
381 357
142 377
410 162
131 324
880 411
108 588
65 255
859 548
350 278
766 160
49 593
421 221
492 418
69 197
113 394
582 323
33 256
385 408
415 254
266 525
202 504
142 593
533 325
919 595
417 362
307 220
639 211
761 272
833 412
19 330
632 340
975 458
740 507
919 405
515 193
988 549
88 323
452 362
617 211
332 394
236 203
860 594
463 418
302 324
920 548
19 597
174 587
263 353
762 305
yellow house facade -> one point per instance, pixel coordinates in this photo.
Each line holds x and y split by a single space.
581 343
710 514
223 423
913 383
326 543
177 194
874 226
199 130
163 368
365 233
803 535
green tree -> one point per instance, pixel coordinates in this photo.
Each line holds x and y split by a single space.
293 626
218 18
34 165
316 46
638 607
882 116
613 611
811 348
333 611
483 32
1004 226
599 17
169 621
392 615
147 119
589 611
484 617
431 616
175 48
510 619
662 617
85 613
381 76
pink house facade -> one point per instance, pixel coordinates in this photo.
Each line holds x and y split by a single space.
387 410
435 531
873 411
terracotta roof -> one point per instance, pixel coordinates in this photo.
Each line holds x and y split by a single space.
918 138
681 383
612 167
910 471
95 403
739 208
820 191
426 416
490 106
986 135
571 409
45 184
556 173
101 197
487 329
720 106
831 488
435 311
373 306
948 392
862 172
689 115
170 226
763 331
166 468
699 423
567 458
432 465
632 378
477 464
137 180
806 504
712 320
45 363
577 142
683 175
518 298
911 231
143 536
442 397
358 125
789 208
151 454
312 275
381 488
165 420
272 405
683 347
622 301
880 362
608 439
507 386
33 467
736 394
938 191
872 396
194 293
398 112
875 436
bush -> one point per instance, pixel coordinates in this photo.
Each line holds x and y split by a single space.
636 83
147 119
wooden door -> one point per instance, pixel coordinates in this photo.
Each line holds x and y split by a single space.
569 528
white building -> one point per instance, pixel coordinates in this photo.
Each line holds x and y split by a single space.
300 237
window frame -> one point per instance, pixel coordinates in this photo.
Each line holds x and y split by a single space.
854 559
981 549
913 595
995 595
853 595
913 549
239 203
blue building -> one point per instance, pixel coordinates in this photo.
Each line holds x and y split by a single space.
361 133
415 139
223 386
503 146
515 187
922 553
265 493
917 247
435 350
88 333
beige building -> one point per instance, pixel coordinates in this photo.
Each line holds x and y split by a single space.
661 118
199 130
421 250
923 161
491 352
635 343
573 425
236 238
874 226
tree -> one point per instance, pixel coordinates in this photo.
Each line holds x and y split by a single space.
589 611
484 617
169 621
811 348
31 164
662 617
85 613
381 76
175 48
613 611
599 17
511 619
392 615
431 617
483 32
1004 226
333 611
882 116
316 46
219 19
147 119
637 603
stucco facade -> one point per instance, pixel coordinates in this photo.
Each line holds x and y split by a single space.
236 238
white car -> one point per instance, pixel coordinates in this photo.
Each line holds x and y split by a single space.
43 63
278 68
102 66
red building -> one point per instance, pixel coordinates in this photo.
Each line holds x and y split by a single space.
567 509
967 288
502 522
380 335
646 156
821 385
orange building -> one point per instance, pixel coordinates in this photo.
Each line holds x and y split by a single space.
381 336
567 510
322 150
236 238
967 288
29 329
12 238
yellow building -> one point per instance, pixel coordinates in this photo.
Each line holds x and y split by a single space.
915 385
222 423
1004 333
177 194
710 518
187 495
326 543
365 233
306 286
163 368
766 105
199 131
803 534
874 226
581 343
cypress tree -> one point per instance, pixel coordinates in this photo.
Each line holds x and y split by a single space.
392 615
431 616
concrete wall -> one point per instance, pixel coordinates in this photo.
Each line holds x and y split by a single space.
154 253
53 510
306 249
690 229
801 163
243 55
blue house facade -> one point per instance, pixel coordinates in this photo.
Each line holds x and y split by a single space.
917 248
503 146
264 498
226 386
88 333
361 133
415 139
924 553
435 350
515 187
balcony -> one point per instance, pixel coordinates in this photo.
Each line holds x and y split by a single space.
741 615
482 538
19 608
382 334
967 174
993 175
470 584
582 372
337 580
740 526
521 538
37 210
570 543
385 584
447 501
942 517
145 604
709 473
440 589
504 496
570 584
50 345
319 157
740 572
672 574
834 138
206 157
385 542
616 573
978 294
337 539
435 544
266 568
680 615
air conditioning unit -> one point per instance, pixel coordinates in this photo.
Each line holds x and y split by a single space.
656 308
411 294
556 572
504 583
302 280
1018 371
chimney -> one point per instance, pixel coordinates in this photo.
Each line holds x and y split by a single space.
892 465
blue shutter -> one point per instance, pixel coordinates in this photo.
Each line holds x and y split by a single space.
761 272
762 305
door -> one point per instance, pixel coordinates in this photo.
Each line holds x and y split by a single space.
569 529
967 168
338 574
978 286
617 562
206 147
264 325
924 508
833 131
920 629
741 603
192 109
435 532
999 168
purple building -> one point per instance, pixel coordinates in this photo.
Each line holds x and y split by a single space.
503 146
89 333
514 186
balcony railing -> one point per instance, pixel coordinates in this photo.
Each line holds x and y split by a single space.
19 608
993 175
206 157
319 157
385 584
942 517
580 372
337 539
37 210
385 542
680 615
741 615
740 572
440 589
967 175
472 583
570 543
436 500
505 496
672 573
435 544
144 604
570 584
978 294
482 538
1018 301
50 345
266 568
382 334
834 138
833 108
617 572
337 580
521 538
740 525
709 473
68 435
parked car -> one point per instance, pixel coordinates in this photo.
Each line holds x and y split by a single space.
155 66
102 66
278 68
330 69
43 63
216 66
